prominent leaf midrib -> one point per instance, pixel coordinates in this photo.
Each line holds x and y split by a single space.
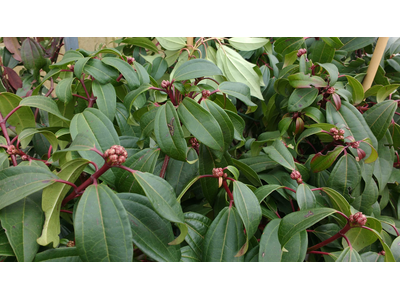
144 164
33 182
15 115
88 66
149 230
248 222
381 115
312 90
226 231
205 129
102 223
242 73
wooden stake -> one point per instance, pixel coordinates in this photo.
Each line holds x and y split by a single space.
374 64
189 41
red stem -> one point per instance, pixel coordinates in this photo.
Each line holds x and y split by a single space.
66 211
319 252
228 191
164 166
341 233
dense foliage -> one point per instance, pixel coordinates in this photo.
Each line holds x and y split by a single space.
217 149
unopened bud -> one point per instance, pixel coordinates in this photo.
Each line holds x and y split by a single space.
71 244
301 52
24 157
116 155
165 84
331 90
358 219
206 93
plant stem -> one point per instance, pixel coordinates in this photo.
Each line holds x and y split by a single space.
164 166
228 191
341 233
319 252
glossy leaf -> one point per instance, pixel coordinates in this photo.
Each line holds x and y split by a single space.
125 69
150 232
355 43
305 197
102 229
106 98
360 238
301 98
141 42
385 91
322 162
238 90
63 254
43 103
69 56
338 202
18 182
198 226
52 198
286 45
201 124
102 72
379 117
300 80
301 220
224 237
172 43
279 153
321 52
264 191
169 133
332 71
248 208
349 255
357 90
64 90
22 118
23 223
196 68
395 248
247 43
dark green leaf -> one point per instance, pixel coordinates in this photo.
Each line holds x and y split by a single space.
100 71
102 229
305 197
321 52
355 43
198 226
238 90
379 117
106 98
301 98
141 42
284 45
196 68
279 153
43 103
125 69
64 254
337 201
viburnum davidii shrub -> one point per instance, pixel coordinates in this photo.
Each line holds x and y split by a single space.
225 149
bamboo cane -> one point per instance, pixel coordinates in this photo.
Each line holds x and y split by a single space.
374 64
189 41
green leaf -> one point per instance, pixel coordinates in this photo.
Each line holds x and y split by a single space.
321 52
102 72
180 173
163 198
22 118
32 54
238 125
345 176
333 41
238 90
385 91
284 45
300 80
169 133
5 247
201 124
53 196
4 162
223 120
172 43
18 182
338 202
159 66
68 57
360 238
332 71
26 136
64 90
357 90
297 221
279 153
141 42
63 254
82 142
388 253
379 117
247 43
306 133
150 232
102 229
224 237
295 249
384 164
79 66
144 161
249 210
106 98
108 51
237 69
395 248
355 43
322 162
196 68
247 172
44 103
302 98
125 69
133 95
349 255
305 197
99 129
264 191
198 226
188 255
23 223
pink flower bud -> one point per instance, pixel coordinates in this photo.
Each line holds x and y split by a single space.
206 93
165 84
24 157
301 52
116 155
341 131
331 90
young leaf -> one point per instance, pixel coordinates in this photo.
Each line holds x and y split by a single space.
385 91
102 229
51 201
322 162
357 90
301 220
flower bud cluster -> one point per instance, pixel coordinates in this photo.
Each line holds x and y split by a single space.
358 219
194 143
12 150
355 145
116 155
219 172
301 52
296 176
165 84
205 93
130 60
337 134
330 90
71 244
